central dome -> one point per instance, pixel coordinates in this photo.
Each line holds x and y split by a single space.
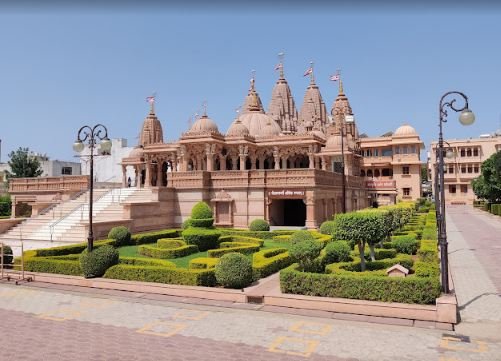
405 129
204 125
237 129
260 124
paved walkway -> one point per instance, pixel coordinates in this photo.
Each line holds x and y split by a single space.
475 259
64 323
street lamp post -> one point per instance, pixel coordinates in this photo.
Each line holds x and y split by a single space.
466 117
342 169
92 135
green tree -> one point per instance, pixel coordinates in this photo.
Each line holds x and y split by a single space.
23 164
488 185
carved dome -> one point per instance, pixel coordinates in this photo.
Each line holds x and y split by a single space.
260 124
333 142
237 129
151 132
203 125
137 152
405 130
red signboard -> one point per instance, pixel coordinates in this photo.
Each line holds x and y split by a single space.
380 184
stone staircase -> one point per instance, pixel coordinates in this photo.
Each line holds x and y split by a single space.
66 222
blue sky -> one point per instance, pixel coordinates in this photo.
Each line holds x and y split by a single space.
62 70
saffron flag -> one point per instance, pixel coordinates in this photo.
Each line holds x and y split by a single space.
150 99
308 72
334 77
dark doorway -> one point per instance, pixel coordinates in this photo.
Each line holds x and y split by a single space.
288 212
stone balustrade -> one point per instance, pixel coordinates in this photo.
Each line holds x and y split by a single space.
49 184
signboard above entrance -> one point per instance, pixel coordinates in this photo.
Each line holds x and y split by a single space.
381 184
287 193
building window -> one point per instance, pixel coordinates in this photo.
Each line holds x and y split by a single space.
470 168
369 173
468 152
387 152
475 152
405 169
452 188
463 153
476 169
386 172
407 191
67 171
337 167
376 152
405 151
451 169
397 150
377 173
463 169
464 188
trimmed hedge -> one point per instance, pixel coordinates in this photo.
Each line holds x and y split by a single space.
255 234
203 238
201 210
95 263
176 276
430 232
410 289
230 247
267 262
203 263
328 227
53 265
259 225
405 244
301 236
282 238
382 264
169 243
428 251
157 252
121 235
72 249
427 269
234 270
242 239
338 251
133 261
152 237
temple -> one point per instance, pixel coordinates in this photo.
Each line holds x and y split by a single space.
290 167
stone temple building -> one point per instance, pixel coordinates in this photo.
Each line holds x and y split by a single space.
283 165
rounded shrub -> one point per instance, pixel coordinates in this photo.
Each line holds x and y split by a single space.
121 235
301 236
186 223
338 251
328 227
304 253
95 263
7 255
234 270
259 225
405 244
203 223
201 210
203 238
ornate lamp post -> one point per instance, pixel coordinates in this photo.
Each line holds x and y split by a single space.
342 169
465 118
92 136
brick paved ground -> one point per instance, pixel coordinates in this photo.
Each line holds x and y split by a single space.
65 324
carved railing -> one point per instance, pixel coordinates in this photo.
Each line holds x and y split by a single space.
74 183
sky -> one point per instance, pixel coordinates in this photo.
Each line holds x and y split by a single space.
65 67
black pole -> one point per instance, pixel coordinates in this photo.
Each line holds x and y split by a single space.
342 166
90 238
442 232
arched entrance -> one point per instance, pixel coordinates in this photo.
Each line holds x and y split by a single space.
287 207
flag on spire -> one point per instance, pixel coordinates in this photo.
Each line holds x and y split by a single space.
334 77
308 72
150 99
278 66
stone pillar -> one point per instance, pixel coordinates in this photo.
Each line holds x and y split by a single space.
284 162
312 161
210 162
261 162
138 176
124 176
324 163
13 207
311 222
242 161
234 161
147 181
253 162
222 162
159 174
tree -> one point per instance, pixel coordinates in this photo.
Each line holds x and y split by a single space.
23 164
424 173
488 185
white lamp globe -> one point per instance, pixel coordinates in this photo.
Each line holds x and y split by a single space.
78 146
106 145
466 117
449 154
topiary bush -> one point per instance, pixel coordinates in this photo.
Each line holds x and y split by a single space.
201 215
203 238
95 263
121 235
186 223
259 225
301 236
338 251
405 244
234 270
328 227
7 255
304 253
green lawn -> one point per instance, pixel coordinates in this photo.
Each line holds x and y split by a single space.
182 262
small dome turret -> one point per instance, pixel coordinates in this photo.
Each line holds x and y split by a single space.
405 130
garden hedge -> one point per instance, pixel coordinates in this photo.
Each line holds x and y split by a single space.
411 289
259 225
230 247
241 239
267 262
234 270
96 262
428 251
203 263
203 238
164 253
121 235
53 265
152 237
176 276
134 261
255 234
